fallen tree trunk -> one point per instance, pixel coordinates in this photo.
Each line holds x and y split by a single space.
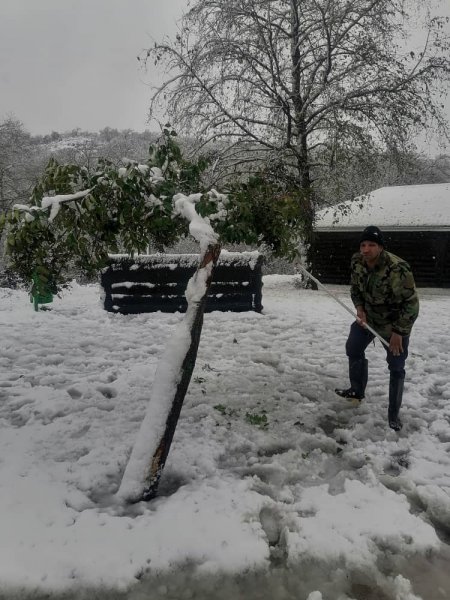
141 477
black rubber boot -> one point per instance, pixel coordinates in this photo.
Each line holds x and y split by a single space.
396 383
358 372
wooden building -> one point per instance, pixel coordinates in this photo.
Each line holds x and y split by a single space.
414 219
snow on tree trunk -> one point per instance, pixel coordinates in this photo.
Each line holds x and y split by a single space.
143 471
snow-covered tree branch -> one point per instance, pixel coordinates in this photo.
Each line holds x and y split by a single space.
141 477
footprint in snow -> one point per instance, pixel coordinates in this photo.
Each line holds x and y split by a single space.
74 393
398 461
271 524
107 391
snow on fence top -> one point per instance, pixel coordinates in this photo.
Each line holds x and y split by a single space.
401 207
248 259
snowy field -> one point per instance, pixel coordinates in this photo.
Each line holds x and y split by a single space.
275 489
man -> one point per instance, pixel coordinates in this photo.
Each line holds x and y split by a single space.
384 294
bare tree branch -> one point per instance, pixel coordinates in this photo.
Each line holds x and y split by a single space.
313 82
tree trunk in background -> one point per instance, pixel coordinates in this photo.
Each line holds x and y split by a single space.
300 134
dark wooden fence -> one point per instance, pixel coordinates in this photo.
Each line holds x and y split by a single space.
148 283
428 253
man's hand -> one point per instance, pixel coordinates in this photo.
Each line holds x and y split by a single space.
361 316
396 344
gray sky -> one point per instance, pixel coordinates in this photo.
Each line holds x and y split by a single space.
72 63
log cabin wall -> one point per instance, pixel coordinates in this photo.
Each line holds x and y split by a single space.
428 253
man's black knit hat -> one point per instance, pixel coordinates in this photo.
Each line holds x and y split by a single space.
372 234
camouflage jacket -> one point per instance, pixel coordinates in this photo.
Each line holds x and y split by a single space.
387 292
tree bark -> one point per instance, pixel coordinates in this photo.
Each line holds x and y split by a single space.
158 454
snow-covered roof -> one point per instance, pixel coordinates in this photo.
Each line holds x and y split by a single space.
401 207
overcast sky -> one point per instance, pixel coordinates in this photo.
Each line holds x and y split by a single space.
72 63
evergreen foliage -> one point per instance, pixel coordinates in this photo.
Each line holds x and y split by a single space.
78 215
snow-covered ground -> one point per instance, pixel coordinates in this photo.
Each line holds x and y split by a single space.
274 487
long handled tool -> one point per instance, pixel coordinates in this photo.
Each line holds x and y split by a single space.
322 287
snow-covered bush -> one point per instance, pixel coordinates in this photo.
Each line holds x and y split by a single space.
77 217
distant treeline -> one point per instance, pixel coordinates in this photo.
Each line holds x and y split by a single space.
23 158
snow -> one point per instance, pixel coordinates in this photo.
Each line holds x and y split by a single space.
248 258
156 175
52 202
320 501
407 207
70 143
199 227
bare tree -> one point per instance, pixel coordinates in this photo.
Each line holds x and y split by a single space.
303 85
15 157
364 172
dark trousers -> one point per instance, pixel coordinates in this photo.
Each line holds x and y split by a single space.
358 340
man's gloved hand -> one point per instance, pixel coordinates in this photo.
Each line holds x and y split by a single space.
396 344
361 316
